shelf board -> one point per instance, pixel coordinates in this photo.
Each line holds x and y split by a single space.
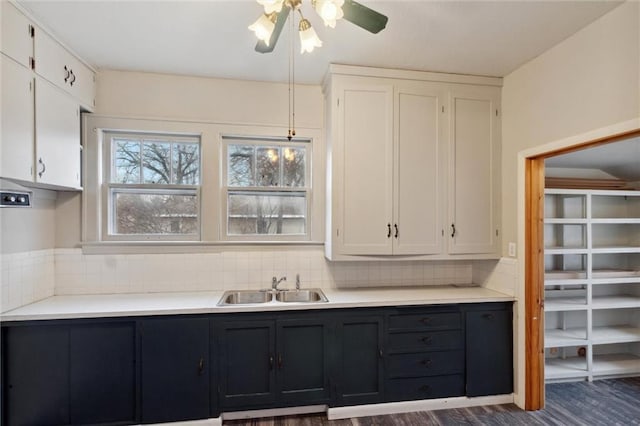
618 249
556 338
606 365
565 221
615 302
565 250
615 221
615 334
566 304
572 367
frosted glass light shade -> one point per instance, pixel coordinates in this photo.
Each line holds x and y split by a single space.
308 37
271 6
330 11
263 27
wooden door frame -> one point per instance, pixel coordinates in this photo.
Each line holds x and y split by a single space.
534 258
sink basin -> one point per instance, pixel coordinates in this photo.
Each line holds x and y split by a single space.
245 297
303 296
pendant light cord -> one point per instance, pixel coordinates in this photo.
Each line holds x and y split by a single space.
292 86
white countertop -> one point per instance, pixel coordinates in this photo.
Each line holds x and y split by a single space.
120 305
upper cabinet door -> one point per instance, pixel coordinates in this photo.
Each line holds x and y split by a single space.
56 64
16 151
474 164
363 160
57 137
17 40
418 187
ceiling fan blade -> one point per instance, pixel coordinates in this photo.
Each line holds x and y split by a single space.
261 46
364 17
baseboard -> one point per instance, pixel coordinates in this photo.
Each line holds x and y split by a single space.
421 405
204 422
272 412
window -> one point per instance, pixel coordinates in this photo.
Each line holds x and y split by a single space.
266 188
153 186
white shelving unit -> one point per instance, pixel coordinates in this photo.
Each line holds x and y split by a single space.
592 284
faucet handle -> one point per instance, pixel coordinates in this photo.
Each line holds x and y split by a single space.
297 281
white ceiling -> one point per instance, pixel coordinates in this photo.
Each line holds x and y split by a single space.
619 159
210 38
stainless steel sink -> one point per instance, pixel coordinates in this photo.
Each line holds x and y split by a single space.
245 297
302 296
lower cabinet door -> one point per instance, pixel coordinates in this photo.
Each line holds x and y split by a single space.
36 375
489 352
302 361
175 371
248 362
359 364
102 377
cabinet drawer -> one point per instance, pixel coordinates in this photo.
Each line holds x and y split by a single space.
426 321
426 341
425 387
426 364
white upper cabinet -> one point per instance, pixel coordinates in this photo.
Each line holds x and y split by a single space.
474 164
16 150
58 137
56 64
410 161
43 89
17 35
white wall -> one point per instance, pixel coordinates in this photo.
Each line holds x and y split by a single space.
589 81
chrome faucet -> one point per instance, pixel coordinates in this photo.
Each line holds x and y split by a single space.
297 281
275 281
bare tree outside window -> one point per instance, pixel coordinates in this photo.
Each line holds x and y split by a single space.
145 173
264 207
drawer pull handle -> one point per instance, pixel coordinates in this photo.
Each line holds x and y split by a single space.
388 230
201 367
425 388
488 316
270 362
67 73
426 362
279 361
426 340
426 320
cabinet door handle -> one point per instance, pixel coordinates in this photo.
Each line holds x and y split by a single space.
425 320
270 362
395 225
201 367
380 353
44 167
388 230
279 361
73 78
425 388
488 316
426 362
67 74
453 230
426 340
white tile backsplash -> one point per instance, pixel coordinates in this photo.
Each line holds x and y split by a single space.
27 277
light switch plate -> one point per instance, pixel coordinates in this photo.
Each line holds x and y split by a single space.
512 249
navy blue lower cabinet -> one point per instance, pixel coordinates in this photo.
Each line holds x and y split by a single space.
246 374
358 373
35 375
102 373
175 370
489 348
302 361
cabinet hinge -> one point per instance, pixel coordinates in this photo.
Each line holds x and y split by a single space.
337 232
496 112
338 101
497 233
442 108
32 31
32 62
442 232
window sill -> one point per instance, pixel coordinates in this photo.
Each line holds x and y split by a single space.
168 247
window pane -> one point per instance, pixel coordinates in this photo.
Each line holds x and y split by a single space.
156 162
186 162
240 165
126 161
293 166
268 166
266 213
154 213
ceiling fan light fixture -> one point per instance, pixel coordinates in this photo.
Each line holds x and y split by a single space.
271 6
264 26
308 37
329 10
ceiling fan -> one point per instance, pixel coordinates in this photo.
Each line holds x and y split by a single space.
269 25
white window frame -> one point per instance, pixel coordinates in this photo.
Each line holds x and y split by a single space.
212 197
110 188
266 141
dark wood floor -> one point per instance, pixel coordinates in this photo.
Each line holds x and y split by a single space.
603 402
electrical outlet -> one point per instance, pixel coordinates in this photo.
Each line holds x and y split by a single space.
512 249
553 351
